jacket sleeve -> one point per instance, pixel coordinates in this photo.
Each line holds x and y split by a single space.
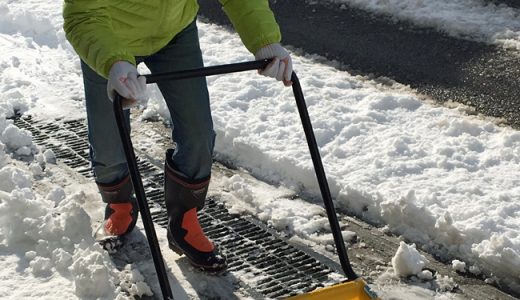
88 28
254 21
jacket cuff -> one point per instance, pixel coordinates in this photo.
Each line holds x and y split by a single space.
113 59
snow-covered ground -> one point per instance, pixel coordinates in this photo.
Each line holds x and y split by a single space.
435 175
472 19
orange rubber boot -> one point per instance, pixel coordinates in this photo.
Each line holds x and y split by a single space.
121 211
119 219
185 235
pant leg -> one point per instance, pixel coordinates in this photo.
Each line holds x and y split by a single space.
106 151
188 103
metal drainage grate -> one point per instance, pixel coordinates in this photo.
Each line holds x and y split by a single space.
280 270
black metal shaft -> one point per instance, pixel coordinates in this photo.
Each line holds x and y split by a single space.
311 141
141 200
322 179
208 71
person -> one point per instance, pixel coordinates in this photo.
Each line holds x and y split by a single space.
111 38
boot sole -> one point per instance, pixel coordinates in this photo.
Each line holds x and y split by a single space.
215 270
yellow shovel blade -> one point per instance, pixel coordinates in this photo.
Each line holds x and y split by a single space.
352 290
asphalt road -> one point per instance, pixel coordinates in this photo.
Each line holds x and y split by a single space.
444 68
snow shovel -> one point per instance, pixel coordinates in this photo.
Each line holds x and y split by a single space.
353 288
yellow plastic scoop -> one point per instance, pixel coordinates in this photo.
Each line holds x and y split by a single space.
351 290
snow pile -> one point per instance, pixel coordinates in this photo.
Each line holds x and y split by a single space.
473 19
408 261
47 239
497 253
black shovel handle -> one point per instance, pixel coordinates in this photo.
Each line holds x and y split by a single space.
311 141
322 179
208 71
309 134
141 199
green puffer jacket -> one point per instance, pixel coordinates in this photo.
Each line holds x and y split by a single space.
105 31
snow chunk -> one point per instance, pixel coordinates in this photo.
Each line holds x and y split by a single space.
240 188
41 266
445 283
62 259
56 195
75 221
16 138
12 178
21 216
458 266
407 260
91 274
49 156
132 282
35 168
425 275
30 255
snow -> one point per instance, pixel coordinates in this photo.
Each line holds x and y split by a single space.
47 242
408 261
425 274
437 176
458 265
278 209
472 19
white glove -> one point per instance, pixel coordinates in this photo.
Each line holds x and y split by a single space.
124 79
281 66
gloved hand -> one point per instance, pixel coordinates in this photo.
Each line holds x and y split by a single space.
124 79
281 66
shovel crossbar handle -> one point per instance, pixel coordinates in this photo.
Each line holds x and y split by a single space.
208 71
311 142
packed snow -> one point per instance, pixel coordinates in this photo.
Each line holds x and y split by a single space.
439 177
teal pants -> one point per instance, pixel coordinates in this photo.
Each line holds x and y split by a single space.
187 101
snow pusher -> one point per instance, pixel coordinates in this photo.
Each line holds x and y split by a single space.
353 288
